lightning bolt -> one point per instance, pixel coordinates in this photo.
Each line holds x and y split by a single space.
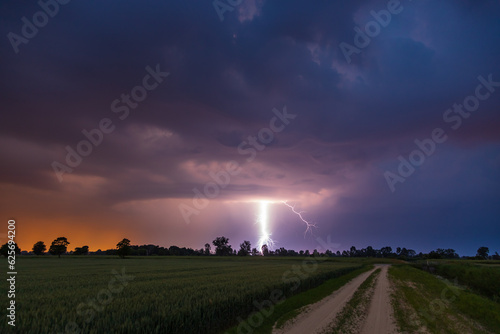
309 225
265 236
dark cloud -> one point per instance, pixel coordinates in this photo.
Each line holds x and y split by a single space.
352 120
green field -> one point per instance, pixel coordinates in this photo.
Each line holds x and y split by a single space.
155 294
482 277
427 303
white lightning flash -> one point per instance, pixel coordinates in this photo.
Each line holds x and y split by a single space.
309 225
265 236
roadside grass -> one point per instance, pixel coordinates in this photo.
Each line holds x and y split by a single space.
291 307
481 277
348 319
424 302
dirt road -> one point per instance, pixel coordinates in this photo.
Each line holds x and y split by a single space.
380 319
317 317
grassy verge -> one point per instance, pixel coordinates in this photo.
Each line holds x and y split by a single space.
290 308
479 277
423 301
353 311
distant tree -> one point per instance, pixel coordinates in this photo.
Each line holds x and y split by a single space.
315 253
434 255
222 246
301 252
245 248
4 250
450 253
370 252
123 248
207 249
255 252
265 250
59 246
386 251
307 253
398 250
81 250
353 251
338 253
39 248
482 252
328 253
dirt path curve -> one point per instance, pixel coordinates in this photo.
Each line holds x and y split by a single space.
380 319
319 315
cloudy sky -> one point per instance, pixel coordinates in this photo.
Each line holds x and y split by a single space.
171 122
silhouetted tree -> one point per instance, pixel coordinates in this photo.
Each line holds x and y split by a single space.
353 251
207 249
482 252
255 252
39 248
386 251
265 250
81 250
245 248
59 246
370 252
123 248
4 250
222 246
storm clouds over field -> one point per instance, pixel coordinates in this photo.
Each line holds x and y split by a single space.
353 117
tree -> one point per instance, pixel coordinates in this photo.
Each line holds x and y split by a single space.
370 252
245 248
353 252
81 250
59 246
265 250
207 249
386 251
39 248
255 252
4 250
222 246
123 248
482 252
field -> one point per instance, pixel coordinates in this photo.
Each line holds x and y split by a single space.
155 294
482 277
99 294
427 303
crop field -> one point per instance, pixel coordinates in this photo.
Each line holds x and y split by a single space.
155 294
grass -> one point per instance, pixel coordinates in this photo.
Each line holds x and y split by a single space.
166 294
482 277
355 308
422 300
291 306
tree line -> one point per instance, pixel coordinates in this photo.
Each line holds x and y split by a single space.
222 248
